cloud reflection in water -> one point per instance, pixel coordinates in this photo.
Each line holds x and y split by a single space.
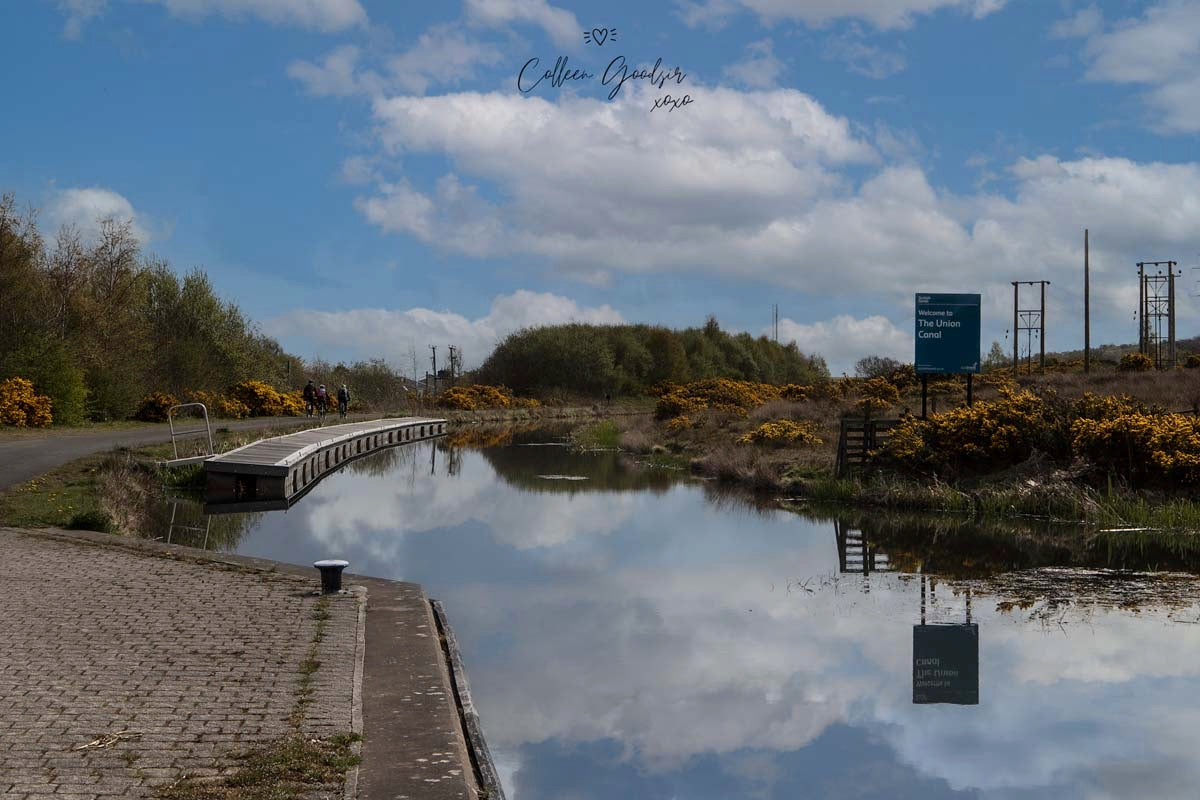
651 644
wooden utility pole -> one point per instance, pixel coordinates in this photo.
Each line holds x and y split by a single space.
1087 308
433 349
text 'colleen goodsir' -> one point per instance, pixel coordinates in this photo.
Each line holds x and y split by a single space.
616 75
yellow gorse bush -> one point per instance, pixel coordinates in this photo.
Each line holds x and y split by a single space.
154 407
989 435
1118 434
794 393
783 431
480 396
247 399
221 405
1145 448
877 395
263 400
1135 362
680 423
1102 407
721 394
21 406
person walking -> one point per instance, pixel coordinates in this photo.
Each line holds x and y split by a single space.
343 400
310 397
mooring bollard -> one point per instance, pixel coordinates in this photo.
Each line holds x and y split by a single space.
331 574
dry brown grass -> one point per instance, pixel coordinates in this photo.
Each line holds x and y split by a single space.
780 409
746 466
125 492
637 434
1174 390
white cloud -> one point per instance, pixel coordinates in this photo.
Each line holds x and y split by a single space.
760 69
400 209
373 332
1160 50
559 24
1085 22
864 59
444 54
844 339
726 168
883 14
336 75
86 208
327 16
78 13
357 170
757 186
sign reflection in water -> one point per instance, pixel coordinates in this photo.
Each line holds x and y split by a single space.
946 659
637 635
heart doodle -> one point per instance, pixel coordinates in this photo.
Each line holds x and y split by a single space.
598 36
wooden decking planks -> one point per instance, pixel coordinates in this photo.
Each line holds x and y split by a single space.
284 467
281 452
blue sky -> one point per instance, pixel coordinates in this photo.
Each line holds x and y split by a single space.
368 179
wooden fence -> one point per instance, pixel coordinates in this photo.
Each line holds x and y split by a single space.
858 438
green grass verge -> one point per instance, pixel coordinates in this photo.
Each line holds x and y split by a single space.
62 498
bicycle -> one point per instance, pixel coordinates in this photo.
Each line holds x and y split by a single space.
321 409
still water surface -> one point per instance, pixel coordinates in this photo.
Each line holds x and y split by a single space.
634 635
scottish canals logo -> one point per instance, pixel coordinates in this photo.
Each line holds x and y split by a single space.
618 72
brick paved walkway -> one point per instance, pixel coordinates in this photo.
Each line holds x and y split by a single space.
201 660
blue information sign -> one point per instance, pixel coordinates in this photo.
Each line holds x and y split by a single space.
947 333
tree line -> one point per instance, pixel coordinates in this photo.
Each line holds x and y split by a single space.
97 324
629 359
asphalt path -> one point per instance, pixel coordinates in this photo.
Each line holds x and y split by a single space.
26 456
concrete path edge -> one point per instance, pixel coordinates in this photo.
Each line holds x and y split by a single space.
375 674
477 749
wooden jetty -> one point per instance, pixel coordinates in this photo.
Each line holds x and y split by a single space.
273 473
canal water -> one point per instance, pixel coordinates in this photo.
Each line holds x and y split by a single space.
632 633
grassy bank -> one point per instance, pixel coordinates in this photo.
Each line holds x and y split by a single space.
62 498
1035 488
116 492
